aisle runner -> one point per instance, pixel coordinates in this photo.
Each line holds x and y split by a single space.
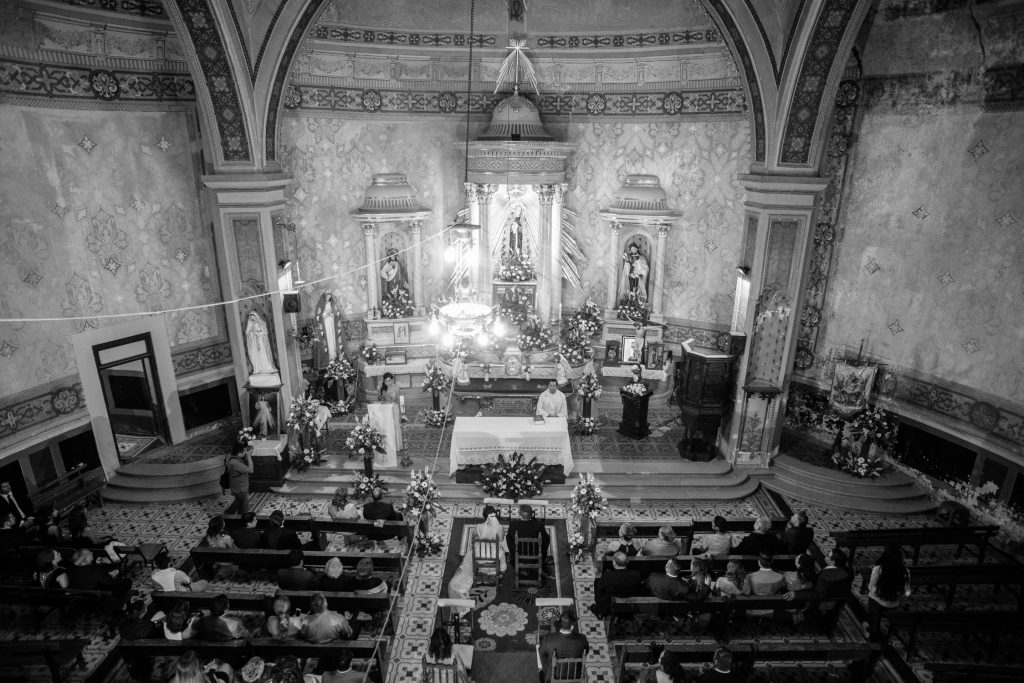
505 617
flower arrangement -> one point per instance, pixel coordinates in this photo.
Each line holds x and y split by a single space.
589 387
396 304
428 544
339 369
983 502
573 346
365 485
365 440
515 266
513 478
577 547
632 307
586 426
516 306
343 407
859 466
435 380
370 353
436 418
587 500
246 436
877 425
534 337
308 335
302 413
302 460
634 389
421 495
587 319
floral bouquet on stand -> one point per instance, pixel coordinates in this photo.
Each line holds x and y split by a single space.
858 465
586 502
421 496
573 346
302 413
365 440
589 388
877 425
340 370
436 418
304 459
632 307
513 478
364 486
587 319
428 544
534 337
577 547
516 306
515 266
396 304
246 436
435 380
370 353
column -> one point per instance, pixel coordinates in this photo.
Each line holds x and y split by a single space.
782 208
558 196
658 295
415 233
483 261
370 245
612 273
545 277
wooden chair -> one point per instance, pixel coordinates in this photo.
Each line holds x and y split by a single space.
529 561
561 604
568 670
486 560
460 628
436 672
504 506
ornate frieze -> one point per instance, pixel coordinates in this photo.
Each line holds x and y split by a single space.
52 80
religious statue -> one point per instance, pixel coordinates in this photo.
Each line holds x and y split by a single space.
325 349
264 422
515 234
392 274
635 269
257 342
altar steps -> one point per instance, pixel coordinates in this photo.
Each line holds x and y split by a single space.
148 482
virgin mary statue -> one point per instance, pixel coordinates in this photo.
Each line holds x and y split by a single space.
257 342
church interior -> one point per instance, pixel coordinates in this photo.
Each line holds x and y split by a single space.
557 283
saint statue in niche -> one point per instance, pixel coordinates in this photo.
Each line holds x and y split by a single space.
635 269
326 349
257 342
392 274
515 233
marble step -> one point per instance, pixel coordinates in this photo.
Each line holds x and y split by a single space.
158 469
790 465
174 494
889 486
913 503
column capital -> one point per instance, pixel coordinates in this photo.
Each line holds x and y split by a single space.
546 194
663 230
485 191
369 229
415 227
471 192
561 189
616 228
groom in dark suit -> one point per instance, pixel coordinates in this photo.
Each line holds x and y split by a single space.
12 504
528 526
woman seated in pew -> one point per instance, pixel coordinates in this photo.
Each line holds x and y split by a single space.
665 545
717 544
282 623
50 532
440 651
626 542
215 536
700 579
190 669
341 507
49 573
733 582
667 670
805 575
169 578
334 579
180 623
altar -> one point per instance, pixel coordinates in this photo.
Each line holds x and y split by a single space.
479 440
501 396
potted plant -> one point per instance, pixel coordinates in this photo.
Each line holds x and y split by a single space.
513 478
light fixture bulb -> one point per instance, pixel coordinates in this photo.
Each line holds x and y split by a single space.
448 339
498 328
434 328
482 339
451 253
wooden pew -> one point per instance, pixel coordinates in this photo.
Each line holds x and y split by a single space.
746 656
954 575
916 538
107 602
401 529
656 565
364 650
956 672
70 489
55 653
686 528
992 623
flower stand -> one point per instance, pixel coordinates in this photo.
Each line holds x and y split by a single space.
634 415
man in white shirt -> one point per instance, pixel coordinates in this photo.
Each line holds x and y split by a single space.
552 402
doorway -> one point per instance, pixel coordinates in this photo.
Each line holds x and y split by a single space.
131 392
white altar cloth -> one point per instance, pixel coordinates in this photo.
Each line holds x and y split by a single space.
479 440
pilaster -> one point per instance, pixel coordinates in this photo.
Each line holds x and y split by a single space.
545 276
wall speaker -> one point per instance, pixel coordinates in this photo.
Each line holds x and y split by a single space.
292 304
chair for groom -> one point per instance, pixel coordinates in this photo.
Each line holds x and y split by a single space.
486 561
529 563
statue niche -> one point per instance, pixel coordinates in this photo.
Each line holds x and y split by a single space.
395 291
635 269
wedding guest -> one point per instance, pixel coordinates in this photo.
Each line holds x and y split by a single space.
334 578
626 542
341 507
722 668
12 534
296 577
765 581
668 586
338 668
665 545
440 651
365 582
567 642
803 577
50 532
700 579
168 578
325 625
189 669
668 670
828 595
282 623
761 541
137 625
215 535
718 543
248 535
619 582
378 509
239 467
280 537
797 537
49 573
551 403
889 581
489 529
528 526
217 625
84 574
734 581
180 623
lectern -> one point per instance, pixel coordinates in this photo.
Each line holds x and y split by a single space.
703 392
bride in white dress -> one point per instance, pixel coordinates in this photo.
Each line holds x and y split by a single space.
490 529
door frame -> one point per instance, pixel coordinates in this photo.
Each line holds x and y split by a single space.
84 343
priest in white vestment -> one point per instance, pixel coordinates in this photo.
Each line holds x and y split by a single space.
552 402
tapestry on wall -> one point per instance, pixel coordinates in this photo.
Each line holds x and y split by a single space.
851 388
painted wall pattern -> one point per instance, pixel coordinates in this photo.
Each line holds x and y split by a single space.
98 215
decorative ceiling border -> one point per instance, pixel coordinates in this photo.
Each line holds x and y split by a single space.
241 39
142 8
57 399
281 77
813 79
665 103
266 39
749 73
789 39
764 39
220 83
82 82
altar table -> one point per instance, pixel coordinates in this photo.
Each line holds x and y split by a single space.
479 440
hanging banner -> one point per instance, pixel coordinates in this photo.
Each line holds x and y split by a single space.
851 387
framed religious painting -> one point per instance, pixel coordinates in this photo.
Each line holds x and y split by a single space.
395 358
630 350
655 356
612 351
401 333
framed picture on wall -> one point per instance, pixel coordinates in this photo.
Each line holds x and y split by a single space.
401 333
630 350
263 414
612 350
395 358
655 356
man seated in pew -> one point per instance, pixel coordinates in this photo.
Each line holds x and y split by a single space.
568 642
667 670
338 668
280 537
828 592
248 536
716 544
296 577
325 625
527 526
668 586
180 622
283 623
722 668
365 582
49 573
765 581
85 574
665 545
166 577
797 537
761 541
138 625
217 625
620 582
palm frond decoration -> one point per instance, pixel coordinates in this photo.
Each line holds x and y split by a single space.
514 62
572 255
